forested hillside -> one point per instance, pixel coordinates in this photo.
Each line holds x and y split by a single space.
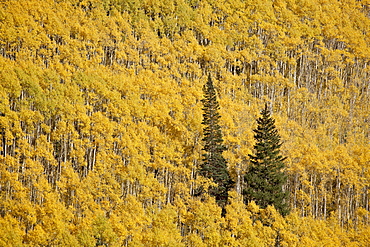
101 120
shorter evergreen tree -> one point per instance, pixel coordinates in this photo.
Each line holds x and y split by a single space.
265 177
214 165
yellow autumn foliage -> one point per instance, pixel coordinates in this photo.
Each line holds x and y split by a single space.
100 120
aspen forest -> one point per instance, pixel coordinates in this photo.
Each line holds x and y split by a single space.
101 120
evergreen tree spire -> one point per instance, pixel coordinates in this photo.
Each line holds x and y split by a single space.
214 165
265 176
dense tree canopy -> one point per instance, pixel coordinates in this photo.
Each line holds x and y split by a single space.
101 120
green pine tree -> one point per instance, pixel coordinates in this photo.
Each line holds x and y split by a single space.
214 165
265 176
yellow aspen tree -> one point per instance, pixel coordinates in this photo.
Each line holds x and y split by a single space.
239 229
204 219
163 230
11 233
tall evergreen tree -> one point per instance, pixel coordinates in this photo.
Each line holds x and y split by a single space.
265 176
214 165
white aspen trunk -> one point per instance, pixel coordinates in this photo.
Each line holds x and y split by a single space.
325 201
238 180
